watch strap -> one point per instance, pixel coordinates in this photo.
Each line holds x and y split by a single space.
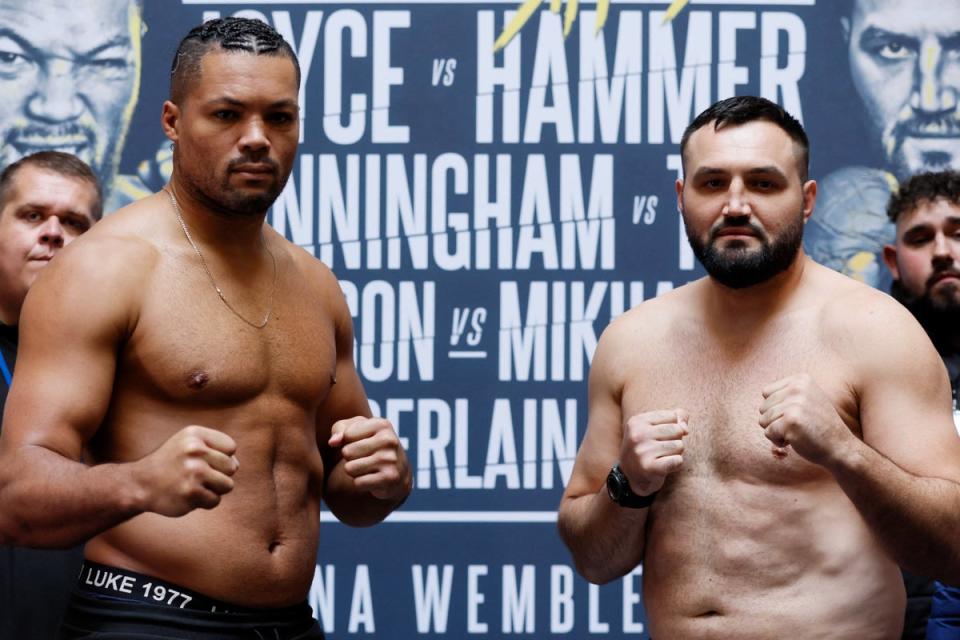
618 487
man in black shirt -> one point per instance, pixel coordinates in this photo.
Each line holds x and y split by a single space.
925 264
46 201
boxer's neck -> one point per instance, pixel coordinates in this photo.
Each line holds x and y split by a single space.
215 226
746 307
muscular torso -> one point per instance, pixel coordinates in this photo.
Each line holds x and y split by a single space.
747 541
188 360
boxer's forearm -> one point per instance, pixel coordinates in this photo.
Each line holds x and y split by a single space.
49 501
916 518
606 540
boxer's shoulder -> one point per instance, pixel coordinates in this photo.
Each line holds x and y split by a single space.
658 312
851 308
307 281
870 331
113 261
135 234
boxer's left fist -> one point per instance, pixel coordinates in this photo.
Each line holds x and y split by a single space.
373 456
796 412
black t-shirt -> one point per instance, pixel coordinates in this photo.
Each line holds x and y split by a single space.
8 351
34 585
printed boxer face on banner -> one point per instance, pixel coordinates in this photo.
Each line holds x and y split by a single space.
42 213
926 259
69 78
743 204
905 64
236 130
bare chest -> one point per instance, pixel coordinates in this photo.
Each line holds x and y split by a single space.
189 346
721 387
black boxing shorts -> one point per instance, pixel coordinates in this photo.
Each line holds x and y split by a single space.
115 603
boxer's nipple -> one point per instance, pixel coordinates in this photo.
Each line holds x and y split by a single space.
197 379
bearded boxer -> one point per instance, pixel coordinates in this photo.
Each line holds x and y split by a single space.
756 439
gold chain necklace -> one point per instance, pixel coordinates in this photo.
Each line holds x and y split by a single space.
273 291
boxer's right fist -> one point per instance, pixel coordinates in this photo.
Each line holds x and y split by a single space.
652 448
191 470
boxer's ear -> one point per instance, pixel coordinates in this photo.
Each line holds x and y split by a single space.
809 198
890 259
170 120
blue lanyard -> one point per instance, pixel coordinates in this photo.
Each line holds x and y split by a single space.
5 369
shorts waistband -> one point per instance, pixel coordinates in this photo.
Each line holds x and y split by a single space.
114 582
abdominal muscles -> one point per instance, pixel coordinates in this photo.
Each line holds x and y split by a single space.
749 560
256 548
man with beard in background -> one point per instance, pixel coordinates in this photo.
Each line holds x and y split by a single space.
925 264
70 78
755 439
904 60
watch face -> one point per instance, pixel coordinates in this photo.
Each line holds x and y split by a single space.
614 490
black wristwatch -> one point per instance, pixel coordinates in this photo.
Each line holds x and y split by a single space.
618 488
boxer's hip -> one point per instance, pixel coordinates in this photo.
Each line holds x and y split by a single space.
109 602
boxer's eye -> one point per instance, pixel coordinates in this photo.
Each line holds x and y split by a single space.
894 51
12 58
888 47
108 63
280 118
77 223
917 239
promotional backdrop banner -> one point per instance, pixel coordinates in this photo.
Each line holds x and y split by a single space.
488 212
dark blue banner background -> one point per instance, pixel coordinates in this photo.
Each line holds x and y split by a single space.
488 214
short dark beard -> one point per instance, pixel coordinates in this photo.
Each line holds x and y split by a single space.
231 202
246 205
940 319
737 267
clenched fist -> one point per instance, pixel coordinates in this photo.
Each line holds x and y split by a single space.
372 456
652 448
796 412
191 470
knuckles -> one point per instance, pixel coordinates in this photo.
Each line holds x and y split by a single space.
193 431
193 467
638 423
194 446
391 475
387 456
374 427
792 413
